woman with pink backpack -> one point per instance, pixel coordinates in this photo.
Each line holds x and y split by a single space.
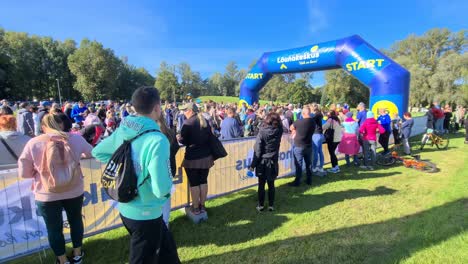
52 160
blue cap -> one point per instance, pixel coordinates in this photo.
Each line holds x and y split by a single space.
45 103
370 114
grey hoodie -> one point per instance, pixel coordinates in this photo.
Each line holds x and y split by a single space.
16 141
25 122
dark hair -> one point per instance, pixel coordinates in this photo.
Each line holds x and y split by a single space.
23 105
407 114
145 98
6 110
273 119
332 115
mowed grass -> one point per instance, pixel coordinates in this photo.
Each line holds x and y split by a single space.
390 215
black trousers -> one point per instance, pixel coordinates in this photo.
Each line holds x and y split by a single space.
331 150
383 140
150 242
396 137
52 213
261 191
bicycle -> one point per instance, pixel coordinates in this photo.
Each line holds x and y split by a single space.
414 162
440 141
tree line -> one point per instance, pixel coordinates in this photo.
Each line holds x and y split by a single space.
31 65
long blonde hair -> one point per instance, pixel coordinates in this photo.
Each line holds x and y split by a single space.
202 120
165 129
55 124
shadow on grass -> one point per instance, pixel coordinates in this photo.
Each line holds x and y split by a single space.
239 220
384 242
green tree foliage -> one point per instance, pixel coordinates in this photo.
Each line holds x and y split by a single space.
96 70
437 62
167 83
341 87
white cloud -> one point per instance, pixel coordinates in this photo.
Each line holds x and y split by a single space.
317 16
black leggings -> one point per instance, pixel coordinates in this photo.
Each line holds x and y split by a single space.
331 150
197 177
261 191
52 214
383 140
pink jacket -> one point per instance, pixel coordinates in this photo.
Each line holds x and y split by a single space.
369 129
30 163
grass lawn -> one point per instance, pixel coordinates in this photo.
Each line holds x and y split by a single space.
390 215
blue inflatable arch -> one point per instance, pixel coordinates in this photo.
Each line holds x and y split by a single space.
387 81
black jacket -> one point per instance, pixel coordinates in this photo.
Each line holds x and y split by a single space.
266 152
195 139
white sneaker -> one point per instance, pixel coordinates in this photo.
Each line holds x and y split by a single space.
320 170
315 169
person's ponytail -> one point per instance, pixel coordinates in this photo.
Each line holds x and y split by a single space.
201 118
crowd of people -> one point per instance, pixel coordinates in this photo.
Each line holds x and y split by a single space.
48 140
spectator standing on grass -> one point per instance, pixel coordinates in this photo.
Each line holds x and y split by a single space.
265 159
459 117
396 128
25 121
317 140
150 240
174 147
369 130
302 149
230 127
361 114
78 112
198 160
406 128
38 156
349 144
386 122
438 118
447 117
12 142
333 122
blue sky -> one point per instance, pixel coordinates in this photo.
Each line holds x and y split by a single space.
209 34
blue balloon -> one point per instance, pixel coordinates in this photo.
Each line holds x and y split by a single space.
387 80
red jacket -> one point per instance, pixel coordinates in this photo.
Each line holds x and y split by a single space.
437 113
369 129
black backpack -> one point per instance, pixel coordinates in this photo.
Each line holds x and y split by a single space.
119 179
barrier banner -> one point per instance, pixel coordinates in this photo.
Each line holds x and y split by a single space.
22 230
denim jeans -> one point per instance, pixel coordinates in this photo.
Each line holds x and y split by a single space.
302 155
439 125
318 140
348 161
369 147
52 214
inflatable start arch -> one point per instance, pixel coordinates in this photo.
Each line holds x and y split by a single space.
387 81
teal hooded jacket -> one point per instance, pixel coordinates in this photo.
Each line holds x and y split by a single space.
150 154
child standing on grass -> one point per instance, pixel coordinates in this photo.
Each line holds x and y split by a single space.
406 131
368 131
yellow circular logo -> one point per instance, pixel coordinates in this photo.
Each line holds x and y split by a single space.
241 101
314 48
390 107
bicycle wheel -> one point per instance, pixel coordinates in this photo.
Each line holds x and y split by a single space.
426 166
442 143
385 160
